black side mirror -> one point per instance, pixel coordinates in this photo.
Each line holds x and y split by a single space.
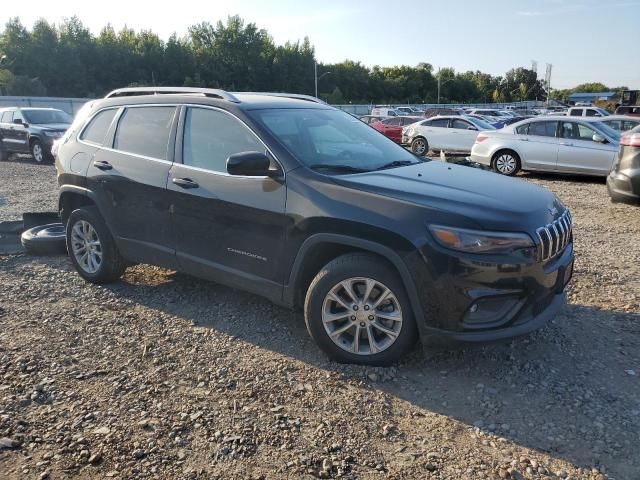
250 164
17 121
472 128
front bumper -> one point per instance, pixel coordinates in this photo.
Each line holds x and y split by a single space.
509 299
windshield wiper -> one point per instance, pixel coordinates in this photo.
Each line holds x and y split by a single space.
338 168
396 163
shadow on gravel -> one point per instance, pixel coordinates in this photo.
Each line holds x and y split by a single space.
560 390
586 179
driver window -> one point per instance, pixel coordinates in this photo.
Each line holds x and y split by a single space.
584 133
210 137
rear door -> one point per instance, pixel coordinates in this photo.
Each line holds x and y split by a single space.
17 134
393 128
464 134
5 131
228 228
129 177
578 153
538 145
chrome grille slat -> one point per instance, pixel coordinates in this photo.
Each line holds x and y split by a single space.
553 238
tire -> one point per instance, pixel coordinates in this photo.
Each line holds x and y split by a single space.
39 153
45 240
103 264
506 162
3 154
320 305
420 146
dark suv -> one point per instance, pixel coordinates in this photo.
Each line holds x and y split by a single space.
31 130
299 202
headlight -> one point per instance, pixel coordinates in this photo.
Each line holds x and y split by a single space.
53 134
476 241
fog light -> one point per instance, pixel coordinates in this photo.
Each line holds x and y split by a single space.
474 308
491 312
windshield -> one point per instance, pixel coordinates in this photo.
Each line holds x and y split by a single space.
41 117
481 124
332 140
607 130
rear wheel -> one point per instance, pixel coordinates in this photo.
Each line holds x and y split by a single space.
506 162
419 146
91 247
357 311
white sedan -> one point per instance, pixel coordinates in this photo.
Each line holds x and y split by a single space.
550 144
450 133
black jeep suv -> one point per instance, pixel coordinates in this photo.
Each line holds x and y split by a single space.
31 130
287 197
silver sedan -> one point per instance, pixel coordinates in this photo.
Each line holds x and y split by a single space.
550 144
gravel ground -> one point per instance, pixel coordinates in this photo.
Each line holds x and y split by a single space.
166 376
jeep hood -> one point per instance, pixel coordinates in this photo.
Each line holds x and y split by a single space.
492 201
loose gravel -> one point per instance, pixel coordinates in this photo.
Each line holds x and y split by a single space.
166 376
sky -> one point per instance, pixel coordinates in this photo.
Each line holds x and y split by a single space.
584 40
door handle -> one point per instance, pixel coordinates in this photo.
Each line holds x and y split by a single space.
102 165
184 182
566 144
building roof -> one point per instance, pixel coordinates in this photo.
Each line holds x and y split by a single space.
591 95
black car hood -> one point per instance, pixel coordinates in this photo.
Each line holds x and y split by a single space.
492 201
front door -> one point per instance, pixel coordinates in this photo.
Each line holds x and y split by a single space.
129 177
464 134
17 136
578 153
227 228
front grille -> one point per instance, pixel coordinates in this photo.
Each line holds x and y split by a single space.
554 237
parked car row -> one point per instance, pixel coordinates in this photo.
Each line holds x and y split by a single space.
31 130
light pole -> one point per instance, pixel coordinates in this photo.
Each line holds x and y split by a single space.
440 83
315 71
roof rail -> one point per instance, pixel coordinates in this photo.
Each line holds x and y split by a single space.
207 92
294 96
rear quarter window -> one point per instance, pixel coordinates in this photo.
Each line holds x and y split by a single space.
96 130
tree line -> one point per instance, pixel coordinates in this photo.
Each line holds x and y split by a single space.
68 60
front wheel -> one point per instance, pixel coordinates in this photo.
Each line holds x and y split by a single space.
357 311
38 153
91 247
419 146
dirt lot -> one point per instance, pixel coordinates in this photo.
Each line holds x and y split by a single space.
166 376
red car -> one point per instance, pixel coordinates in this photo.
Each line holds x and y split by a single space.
392 127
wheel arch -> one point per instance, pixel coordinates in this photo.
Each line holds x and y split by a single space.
321 248
72 197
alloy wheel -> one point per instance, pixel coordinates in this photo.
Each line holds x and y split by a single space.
419 146
38 154
362 316
86 246
506 163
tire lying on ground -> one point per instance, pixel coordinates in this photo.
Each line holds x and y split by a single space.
45 240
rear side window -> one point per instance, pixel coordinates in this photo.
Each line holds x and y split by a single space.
97 129
145 131
522 129
441 122
575 112
6 117
592 113
393 121
210 137
542 129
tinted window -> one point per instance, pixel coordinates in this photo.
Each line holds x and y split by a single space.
440 122
6 117
628 125
97 128
409 120
592 113
145 131
575 112
211 136
461 124
542 129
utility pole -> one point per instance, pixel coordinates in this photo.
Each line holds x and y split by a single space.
315 74
438 86
547 81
